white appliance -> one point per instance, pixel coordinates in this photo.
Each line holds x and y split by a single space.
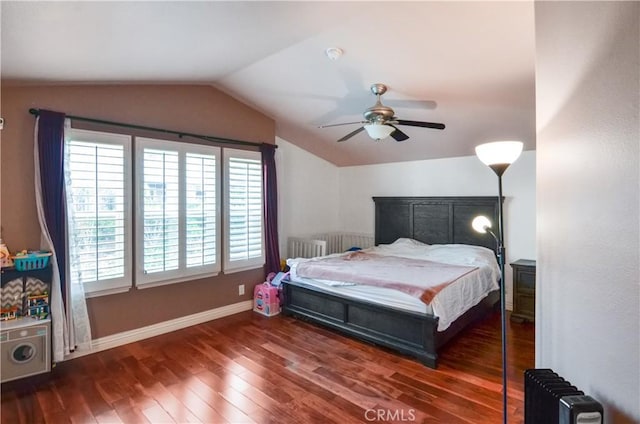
25 344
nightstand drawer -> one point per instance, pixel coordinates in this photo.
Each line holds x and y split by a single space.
526 306
525 278
524 290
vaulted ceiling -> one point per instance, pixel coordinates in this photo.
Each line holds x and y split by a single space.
469 65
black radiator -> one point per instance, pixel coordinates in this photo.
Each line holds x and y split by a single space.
543 390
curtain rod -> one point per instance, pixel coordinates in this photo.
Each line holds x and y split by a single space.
180 134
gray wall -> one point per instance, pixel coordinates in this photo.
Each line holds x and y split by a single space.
588 297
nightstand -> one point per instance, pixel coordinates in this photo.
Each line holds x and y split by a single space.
524 290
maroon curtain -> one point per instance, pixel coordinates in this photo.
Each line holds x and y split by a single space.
270 189
51 158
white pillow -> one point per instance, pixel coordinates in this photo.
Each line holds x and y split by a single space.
403 241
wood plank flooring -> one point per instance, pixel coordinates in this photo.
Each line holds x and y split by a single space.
251 369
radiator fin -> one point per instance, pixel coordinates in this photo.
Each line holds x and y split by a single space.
543 389
340 242
306 248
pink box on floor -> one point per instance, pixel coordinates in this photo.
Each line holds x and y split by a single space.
265 300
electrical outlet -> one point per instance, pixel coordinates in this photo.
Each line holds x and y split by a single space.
240 289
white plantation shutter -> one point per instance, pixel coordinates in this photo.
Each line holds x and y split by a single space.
202 210
98 189
161 210
178 228
243 210
178 211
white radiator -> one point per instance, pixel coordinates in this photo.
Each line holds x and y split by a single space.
341 242
299 247
326 244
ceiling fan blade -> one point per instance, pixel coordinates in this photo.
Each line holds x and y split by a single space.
351 134
398 135
344 123
433 125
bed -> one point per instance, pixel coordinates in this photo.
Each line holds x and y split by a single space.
397 322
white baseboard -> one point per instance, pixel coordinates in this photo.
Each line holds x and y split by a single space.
119 339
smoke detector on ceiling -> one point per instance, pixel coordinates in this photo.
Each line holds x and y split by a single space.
334 53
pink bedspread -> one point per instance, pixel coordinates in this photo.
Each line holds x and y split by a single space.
419 278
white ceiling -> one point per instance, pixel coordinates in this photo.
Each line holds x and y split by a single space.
469 65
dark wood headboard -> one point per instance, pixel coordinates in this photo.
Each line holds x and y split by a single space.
434 220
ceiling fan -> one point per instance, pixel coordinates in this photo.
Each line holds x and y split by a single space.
380 120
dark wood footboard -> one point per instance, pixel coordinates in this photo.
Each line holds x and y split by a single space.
410 333
432 220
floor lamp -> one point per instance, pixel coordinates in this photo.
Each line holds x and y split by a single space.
498 156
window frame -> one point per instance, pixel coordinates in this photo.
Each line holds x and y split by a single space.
142 279
230 267
124 283
133 198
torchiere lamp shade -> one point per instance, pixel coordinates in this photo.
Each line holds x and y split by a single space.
498 155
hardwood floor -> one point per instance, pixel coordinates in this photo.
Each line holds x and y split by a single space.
248 368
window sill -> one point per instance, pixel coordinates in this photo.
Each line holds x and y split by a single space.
175 280
106 292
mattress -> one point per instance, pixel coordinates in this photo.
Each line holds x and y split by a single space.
450 303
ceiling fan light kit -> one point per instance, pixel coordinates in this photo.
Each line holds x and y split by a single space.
379 131
380 120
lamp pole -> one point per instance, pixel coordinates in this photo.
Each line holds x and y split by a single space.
503 307
498 156
483 225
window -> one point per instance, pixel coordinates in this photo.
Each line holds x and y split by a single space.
244 238
98 190
177 225
178 213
